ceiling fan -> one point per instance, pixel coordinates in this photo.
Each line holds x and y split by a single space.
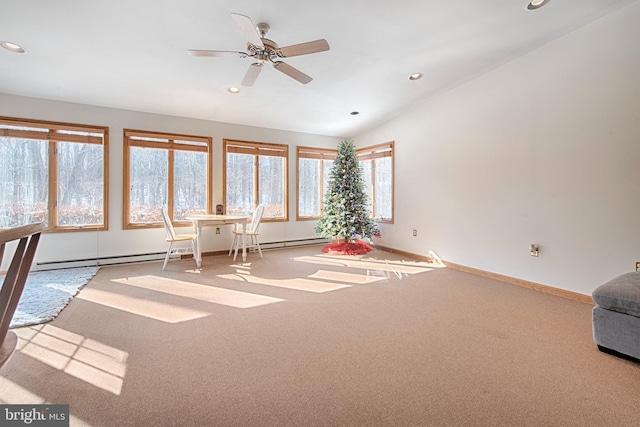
266 51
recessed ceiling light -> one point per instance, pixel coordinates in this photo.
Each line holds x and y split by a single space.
415 76
354 113
535 4
233 89
12 47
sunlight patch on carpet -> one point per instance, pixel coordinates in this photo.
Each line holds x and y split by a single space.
164 312
372 266
89 360
46 293
299 284
340 276
15 394
212 294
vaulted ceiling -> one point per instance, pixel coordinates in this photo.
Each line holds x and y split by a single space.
133 54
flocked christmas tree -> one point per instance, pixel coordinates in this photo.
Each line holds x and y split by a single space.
345 213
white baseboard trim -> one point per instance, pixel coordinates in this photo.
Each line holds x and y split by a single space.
502 278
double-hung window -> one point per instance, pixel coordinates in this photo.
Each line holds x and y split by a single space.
165 169
377 165
54 173
256 173
314 168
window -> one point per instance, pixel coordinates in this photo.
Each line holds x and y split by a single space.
165 169
54 173
314 168
377 165
256 173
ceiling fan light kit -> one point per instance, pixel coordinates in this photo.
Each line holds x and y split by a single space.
535 4
12 47
264 51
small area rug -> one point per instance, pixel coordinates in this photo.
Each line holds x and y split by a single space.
46 293
347 248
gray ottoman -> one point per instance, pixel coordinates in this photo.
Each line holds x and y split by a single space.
616 317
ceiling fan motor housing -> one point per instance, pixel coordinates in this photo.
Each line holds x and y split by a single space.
266 53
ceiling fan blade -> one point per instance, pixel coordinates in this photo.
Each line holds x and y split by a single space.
292 72
252 74
304 48
221 53
249 30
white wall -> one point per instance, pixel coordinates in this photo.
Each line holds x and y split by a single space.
545 150
115 241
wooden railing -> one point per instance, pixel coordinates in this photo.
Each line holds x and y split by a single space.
13 284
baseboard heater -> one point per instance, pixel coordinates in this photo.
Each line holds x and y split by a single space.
294 243
159 256
109 260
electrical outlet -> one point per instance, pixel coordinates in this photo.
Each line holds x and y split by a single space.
415 233
534 250
637 265
217 230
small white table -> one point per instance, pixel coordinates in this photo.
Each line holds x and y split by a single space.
201 220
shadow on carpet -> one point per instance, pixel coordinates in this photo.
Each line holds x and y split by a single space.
46 293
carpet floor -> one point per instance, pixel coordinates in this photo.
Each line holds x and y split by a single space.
300 337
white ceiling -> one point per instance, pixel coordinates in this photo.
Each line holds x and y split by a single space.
132 54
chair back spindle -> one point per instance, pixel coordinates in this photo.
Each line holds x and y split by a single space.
171 233
254 227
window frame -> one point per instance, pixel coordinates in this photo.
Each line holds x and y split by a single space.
54 136
377 152
320 154
258 149
171 146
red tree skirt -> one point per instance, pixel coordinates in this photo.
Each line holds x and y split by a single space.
347 248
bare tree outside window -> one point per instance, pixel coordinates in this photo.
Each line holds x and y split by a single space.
190 189
272 186
309 183
384 188
314 171
24 177
240 175
377 165
148 171
80 180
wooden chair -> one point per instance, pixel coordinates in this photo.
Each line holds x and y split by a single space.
252 232
14 280
172 238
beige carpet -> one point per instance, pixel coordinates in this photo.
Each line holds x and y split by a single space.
301 338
